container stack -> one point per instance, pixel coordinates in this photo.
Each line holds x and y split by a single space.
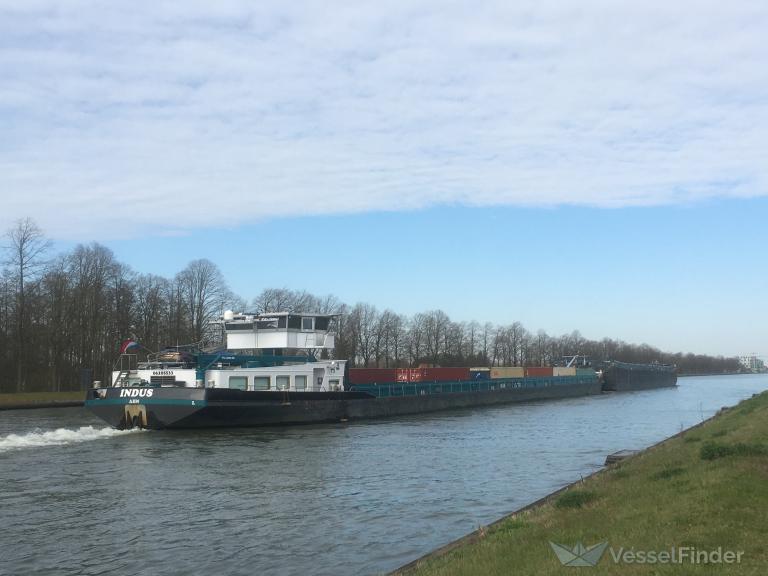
411 375
406 375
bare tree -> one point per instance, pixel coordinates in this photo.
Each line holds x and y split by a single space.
204 294
280 300
27 248
363 322
398 338
416 338
435 325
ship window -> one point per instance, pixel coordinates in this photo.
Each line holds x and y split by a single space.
238 382
301 382
282 382
281 321
261 382
307 324
232 326
294 322
267 323
322 323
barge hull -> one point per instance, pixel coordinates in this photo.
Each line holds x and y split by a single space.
404 405
625 377
215 408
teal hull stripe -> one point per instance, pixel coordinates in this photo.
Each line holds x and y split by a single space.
145 401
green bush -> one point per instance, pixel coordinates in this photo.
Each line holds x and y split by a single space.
575 499
667 473
713 450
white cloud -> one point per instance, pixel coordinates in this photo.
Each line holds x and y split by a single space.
118 119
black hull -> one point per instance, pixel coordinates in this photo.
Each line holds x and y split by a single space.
624 377
213 408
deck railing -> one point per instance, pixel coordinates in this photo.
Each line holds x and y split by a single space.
386 389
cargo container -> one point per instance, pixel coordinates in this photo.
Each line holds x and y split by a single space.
507 372
563 371
479 373
410 374
432 374
585 371
372 375
538 371
446 374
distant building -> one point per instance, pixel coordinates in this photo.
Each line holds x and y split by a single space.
752 363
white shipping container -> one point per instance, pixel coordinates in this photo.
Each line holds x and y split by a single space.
507 372
562 371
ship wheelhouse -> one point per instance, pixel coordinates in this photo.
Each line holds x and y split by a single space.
278 331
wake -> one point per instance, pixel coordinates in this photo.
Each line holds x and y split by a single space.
58 437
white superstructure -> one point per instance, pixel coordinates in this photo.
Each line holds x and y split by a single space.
263 354
281 330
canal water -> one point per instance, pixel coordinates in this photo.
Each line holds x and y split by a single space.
359 498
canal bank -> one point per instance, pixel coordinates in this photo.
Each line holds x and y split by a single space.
695 500
27 400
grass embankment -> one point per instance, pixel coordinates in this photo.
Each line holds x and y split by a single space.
32 399
705 488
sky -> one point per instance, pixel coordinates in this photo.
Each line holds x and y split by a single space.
597 166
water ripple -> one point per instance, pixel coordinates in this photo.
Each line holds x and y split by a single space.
58 437
360 498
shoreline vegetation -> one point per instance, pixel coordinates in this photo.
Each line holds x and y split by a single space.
62 320
704 489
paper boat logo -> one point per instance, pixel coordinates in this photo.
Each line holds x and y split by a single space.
579 555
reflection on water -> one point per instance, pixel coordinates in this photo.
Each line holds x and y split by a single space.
358 498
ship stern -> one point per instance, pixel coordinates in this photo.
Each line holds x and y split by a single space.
154 408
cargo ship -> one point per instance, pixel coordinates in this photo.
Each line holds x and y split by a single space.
256 381
624 376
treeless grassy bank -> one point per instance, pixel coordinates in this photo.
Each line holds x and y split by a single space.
40 399
700 495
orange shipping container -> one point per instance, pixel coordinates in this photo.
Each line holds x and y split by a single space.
538 371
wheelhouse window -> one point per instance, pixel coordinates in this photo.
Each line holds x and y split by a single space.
267 323
238 382
261 382
307 324
282 382
321 323
294 322
232 326
301 382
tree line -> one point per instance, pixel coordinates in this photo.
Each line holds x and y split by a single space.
63 317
